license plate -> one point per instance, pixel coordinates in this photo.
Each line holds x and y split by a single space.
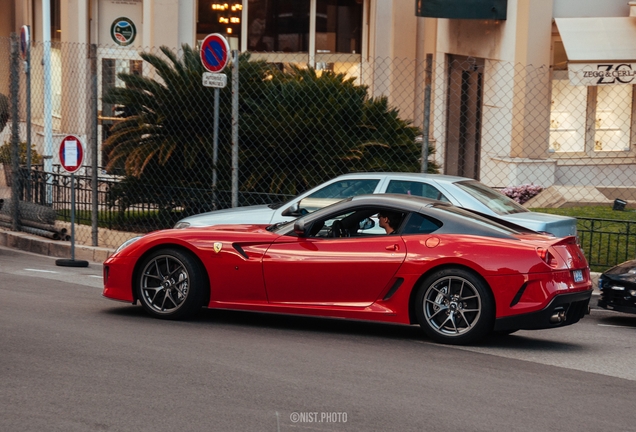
578 275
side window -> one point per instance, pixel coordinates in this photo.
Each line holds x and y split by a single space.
337 191
346 188
415 188
418 224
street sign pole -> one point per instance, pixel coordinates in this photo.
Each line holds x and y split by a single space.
215 147
71 157
214 57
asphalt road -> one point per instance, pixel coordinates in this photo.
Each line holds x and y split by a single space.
71 360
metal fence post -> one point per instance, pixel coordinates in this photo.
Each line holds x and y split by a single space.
94 173
15 133
235 126
427 111
27 71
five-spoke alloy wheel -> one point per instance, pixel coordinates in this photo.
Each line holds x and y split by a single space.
454 306
170 284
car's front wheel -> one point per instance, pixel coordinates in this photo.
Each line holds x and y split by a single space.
170 284
454 306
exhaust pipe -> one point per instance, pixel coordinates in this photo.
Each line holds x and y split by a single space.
558 317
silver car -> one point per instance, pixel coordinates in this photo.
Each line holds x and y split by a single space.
460 191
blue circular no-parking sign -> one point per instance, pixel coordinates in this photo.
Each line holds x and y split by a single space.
215 52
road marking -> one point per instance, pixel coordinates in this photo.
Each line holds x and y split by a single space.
611 325
95 276
40 271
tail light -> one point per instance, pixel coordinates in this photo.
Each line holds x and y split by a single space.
547 257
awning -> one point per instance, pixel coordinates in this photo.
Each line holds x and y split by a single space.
462 9
598 39
600 51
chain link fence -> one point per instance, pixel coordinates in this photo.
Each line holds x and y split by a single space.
153 154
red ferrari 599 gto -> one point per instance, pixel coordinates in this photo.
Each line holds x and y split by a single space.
458 274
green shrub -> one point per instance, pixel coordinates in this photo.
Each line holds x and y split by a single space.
5 154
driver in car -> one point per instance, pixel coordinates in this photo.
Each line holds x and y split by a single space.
390 221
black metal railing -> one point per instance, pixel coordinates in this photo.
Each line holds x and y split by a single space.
607 242
122 206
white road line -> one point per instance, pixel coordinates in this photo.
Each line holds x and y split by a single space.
95 276
40 271
611 325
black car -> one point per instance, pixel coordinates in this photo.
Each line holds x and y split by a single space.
618 288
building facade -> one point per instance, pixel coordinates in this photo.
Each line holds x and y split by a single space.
523 96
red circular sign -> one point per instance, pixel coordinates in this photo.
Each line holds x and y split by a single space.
71 153
215 52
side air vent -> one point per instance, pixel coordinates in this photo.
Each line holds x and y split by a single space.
240 250
519 294
393 289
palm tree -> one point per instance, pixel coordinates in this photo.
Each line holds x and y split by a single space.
297 129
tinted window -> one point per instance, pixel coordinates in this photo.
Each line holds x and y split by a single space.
339 26
415 188
477 219
346 188
495 201
418 224
281 25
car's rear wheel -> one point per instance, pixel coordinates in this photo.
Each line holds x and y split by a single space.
170 284
454 306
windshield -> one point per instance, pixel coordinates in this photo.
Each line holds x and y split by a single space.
335 192
495 201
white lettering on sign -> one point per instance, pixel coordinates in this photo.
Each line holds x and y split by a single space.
70 153
596 74
217 80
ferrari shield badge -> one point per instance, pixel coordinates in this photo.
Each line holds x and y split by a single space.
218 246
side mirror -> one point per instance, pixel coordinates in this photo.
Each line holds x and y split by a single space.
366 224
292 210
299 228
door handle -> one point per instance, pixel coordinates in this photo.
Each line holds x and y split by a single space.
393 247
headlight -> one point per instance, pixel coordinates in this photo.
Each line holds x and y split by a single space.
181 224
127 243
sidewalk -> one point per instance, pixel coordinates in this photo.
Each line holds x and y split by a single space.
44 246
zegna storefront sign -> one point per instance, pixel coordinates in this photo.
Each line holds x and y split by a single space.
597 74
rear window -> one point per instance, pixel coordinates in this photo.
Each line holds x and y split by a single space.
485 222
415 188
495 201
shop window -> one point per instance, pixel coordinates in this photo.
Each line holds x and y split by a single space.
595 120
568 114
278 25
608 110
612 119
338 26
220 17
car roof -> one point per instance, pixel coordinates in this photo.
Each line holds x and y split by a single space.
406 202
415 176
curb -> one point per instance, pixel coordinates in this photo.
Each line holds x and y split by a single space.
53 248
